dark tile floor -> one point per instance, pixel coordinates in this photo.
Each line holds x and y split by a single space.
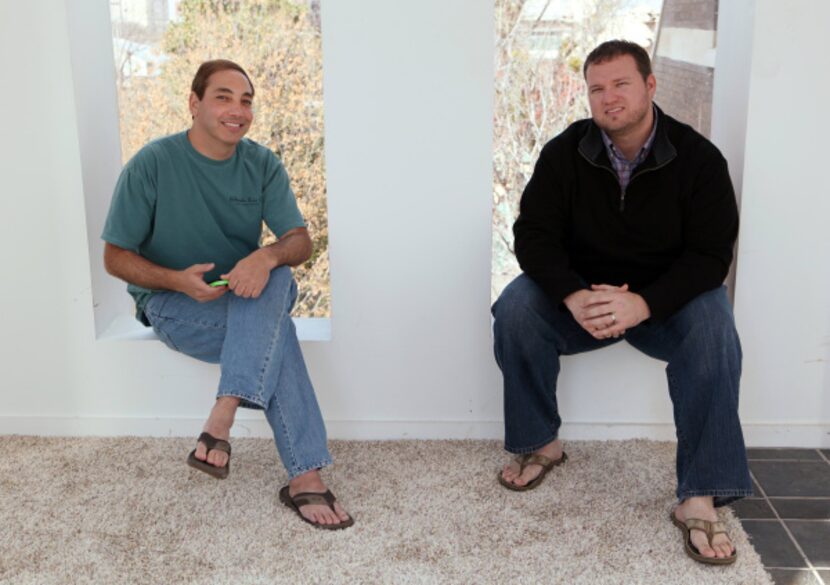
788 518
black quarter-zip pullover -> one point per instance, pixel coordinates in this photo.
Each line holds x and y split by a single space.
669 235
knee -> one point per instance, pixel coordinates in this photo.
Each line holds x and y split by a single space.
281 285
711 325
518 307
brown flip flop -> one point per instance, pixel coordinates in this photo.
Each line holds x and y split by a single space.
317 499
708 528
532 459
212 444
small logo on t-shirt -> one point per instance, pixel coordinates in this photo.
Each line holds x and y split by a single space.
243 200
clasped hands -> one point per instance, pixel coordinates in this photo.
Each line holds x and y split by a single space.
247 279
607 311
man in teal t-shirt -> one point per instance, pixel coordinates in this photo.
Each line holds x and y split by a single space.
187 210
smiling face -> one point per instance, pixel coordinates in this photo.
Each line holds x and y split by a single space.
619 97
223 115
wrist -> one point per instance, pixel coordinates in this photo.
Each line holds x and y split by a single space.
571 297
269 256
645 312
175 280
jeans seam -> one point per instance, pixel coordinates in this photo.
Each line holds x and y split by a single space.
159 314
721 497
283 423
277 332
233 394
284 428
163 334
534 447
196 323
301 470
164 299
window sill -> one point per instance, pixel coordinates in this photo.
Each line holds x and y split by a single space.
125 327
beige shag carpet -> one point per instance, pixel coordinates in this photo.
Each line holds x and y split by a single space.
129 511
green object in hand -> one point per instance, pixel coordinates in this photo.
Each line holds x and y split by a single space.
219 283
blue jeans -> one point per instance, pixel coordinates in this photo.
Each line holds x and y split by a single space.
703 352
255 343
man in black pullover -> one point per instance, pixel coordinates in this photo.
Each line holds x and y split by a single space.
626 230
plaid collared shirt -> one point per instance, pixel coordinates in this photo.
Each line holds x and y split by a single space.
622 165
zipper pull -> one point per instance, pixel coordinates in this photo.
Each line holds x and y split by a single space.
622 201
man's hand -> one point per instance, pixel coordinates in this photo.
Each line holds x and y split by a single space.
250 275
578 303
191 281
607 311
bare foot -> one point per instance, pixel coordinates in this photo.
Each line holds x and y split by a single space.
219 425
510 472
703 508
310 481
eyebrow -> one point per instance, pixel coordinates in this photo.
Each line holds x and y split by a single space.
230 91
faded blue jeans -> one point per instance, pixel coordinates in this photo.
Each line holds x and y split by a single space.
255 343
703 352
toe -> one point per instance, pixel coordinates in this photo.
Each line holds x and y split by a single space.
201 452
217 458
341 513
727 550
701 544
529 474
722 546
510 471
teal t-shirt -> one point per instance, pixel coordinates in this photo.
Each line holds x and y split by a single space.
176 207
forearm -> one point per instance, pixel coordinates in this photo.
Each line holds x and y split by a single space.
134 269
547 265
542 256
690 276
711 228
540 234
292 249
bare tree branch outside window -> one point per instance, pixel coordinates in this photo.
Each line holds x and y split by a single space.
540 48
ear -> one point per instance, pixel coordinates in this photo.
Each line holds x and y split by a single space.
193 104
651 84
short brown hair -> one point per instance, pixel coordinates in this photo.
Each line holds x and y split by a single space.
208 68
616 48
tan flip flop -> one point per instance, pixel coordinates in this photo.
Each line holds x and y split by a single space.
532 459
212 444
708 528
316 499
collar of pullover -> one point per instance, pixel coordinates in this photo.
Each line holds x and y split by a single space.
592 147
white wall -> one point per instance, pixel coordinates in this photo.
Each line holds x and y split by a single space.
408 89
783 275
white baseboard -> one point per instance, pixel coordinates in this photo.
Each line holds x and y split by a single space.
810 435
